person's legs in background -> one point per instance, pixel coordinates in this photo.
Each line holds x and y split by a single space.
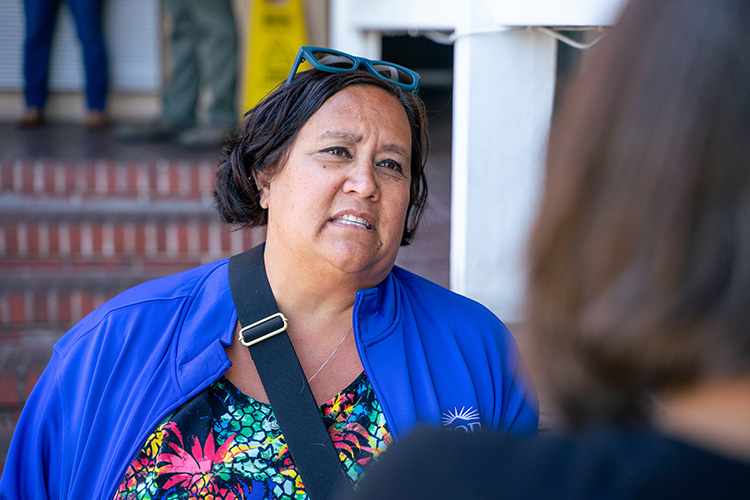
217 57
203 47
87 15
182 85
218 54
40 24
181 90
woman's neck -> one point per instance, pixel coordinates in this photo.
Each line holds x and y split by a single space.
303 287
314 298
713 415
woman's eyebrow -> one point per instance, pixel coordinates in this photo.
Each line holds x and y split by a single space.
395 148
352 138
348 137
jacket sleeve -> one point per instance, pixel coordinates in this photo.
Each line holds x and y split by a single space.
34 462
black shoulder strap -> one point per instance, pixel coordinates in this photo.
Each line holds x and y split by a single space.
297 413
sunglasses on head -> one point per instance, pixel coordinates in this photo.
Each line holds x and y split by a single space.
334 61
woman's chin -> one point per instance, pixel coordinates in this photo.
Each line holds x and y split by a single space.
365 262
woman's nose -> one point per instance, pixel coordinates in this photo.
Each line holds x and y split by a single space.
362 180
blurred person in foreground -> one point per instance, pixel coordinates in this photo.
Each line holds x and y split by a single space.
638 301
152 395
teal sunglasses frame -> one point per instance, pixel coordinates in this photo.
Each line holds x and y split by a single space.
306 54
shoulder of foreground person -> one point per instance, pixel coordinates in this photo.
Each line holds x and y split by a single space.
605 463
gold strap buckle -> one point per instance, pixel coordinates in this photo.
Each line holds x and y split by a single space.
266 336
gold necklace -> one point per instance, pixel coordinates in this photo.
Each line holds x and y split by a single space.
330 355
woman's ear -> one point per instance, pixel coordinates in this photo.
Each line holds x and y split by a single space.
263 182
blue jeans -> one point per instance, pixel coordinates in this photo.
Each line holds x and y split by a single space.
40 24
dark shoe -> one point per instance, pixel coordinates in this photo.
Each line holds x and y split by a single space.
206 136
95 120
32 117
149 132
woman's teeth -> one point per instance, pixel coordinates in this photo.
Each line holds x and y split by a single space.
356 221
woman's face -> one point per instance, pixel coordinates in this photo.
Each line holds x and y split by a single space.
340 200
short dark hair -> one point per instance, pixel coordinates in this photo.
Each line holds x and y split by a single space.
639 275
269 130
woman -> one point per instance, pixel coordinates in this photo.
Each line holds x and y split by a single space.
152 396
639 282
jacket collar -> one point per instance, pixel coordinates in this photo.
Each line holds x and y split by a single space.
376 310
209 319
208 324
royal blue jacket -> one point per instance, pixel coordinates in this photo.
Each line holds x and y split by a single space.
432 357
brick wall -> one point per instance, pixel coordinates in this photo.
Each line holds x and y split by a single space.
74 234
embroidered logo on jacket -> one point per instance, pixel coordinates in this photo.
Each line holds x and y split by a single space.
465 419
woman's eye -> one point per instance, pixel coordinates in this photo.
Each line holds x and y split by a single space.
391 165
338 151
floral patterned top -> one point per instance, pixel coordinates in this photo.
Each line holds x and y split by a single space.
223 444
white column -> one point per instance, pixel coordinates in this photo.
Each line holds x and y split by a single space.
502 104
346 33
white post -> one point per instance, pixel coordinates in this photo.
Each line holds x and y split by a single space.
502 103
347 35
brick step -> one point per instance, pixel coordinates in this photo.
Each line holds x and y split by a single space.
74 234
149 245
59 246
57 230
26 348
23 356
61 256
62 298
105 178
59 288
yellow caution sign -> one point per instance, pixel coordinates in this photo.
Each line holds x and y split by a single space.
277 30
